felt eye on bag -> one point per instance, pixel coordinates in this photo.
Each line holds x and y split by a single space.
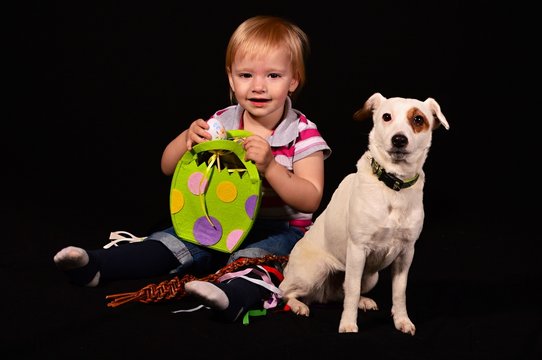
215 194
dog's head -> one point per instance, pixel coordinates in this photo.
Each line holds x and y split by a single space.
402 128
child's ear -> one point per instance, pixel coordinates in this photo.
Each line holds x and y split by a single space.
293 85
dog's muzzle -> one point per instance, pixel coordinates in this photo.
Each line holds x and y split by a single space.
398 151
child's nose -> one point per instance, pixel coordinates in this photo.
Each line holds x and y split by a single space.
258 85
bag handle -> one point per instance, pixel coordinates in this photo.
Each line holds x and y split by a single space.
232 144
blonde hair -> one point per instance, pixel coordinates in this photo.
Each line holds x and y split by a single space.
259 34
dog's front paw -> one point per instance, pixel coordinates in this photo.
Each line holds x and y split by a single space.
404 325
346 327
298 307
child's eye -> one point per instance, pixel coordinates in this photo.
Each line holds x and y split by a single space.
245 75
274 75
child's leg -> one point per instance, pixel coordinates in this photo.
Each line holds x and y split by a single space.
128 261
230 299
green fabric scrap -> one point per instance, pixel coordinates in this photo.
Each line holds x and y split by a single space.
249 313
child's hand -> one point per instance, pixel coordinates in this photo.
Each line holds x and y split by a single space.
258 150
197 133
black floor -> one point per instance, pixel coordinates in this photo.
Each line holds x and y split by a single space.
471 295
103 90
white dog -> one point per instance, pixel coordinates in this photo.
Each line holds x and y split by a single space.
373 219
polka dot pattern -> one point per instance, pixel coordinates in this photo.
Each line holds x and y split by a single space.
215 206
207 233
197 183
226 191
177 201
250 206
233 238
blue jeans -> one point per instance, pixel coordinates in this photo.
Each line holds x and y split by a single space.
266 237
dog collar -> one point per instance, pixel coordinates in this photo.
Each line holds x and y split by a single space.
391 181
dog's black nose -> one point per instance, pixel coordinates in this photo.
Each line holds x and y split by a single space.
399 141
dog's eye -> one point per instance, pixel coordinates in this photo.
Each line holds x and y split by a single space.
418 120
386 117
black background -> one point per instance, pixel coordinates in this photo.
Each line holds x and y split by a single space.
100 89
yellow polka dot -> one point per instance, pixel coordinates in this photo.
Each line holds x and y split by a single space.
226 191
177 201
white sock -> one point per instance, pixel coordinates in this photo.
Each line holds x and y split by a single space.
73 257
210 294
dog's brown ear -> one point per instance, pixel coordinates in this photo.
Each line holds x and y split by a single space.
363 113
369 107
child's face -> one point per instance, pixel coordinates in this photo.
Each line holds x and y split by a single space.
261 83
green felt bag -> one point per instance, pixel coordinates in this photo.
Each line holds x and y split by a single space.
215 194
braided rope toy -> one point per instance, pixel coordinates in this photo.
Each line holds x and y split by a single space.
173 289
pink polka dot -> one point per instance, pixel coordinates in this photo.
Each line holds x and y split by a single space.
195 183
233 238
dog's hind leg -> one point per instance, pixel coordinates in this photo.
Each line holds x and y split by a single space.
297 307
366 303
301 281
305 275
368 282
